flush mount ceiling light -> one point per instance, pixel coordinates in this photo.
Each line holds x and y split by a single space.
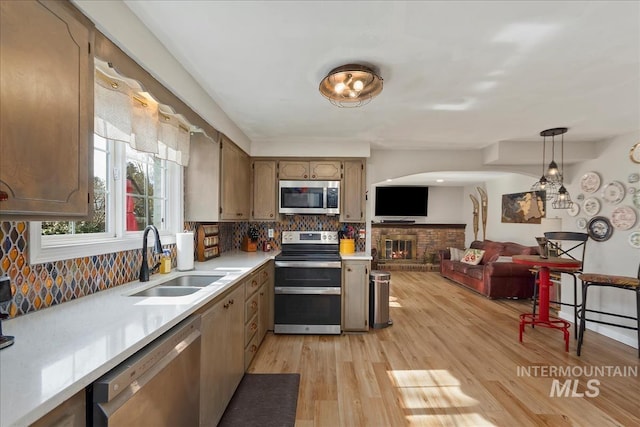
351 85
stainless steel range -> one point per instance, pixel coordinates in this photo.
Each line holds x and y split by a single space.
308 283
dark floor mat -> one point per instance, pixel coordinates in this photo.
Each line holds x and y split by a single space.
265 400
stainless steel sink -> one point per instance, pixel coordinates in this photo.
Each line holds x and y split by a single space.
179 286
166 291
192 281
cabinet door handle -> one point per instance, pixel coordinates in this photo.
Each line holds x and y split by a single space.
349 269
231 301
254 327
254 305
226 306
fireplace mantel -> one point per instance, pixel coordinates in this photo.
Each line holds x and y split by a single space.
414 225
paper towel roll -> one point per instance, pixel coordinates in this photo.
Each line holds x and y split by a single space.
184 247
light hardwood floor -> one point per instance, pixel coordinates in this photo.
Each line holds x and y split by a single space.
452 357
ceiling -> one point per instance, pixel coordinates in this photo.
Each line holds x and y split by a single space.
457 75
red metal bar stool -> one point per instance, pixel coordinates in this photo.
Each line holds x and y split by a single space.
610 281
542 318
565 244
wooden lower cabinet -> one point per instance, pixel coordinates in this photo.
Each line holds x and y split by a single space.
221 362
355 295
258 310
71 413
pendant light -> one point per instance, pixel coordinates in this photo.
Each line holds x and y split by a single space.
562 199
546 183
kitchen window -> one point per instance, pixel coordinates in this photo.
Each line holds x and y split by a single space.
140 148
131 189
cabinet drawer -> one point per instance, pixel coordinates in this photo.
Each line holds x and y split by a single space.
250 329
251 285
251 306
250 351
264 276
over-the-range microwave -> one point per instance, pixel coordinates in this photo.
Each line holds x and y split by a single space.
309 197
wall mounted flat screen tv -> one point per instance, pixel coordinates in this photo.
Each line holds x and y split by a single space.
397 200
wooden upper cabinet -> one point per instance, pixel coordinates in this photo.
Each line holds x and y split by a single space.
316 169
235 182
330 169
202 177
265 191
46 111
353 192
293 169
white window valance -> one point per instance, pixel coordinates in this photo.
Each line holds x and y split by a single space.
125 112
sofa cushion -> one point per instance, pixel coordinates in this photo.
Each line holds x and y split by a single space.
473 256
456 254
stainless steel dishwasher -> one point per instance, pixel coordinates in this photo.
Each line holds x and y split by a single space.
158 386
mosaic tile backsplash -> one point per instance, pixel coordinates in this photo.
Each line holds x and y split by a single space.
38 286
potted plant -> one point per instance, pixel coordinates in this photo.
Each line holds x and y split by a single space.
250 240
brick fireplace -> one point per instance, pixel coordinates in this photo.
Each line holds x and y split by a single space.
398 247
407 246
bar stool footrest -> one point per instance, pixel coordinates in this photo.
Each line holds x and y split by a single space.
551 322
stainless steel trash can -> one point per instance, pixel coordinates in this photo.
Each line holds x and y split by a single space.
379 299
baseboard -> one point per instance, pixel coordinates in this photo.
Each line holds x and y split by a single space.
607 331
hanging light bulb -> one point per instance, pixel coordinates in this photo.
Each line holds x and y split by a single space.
543 184
562 199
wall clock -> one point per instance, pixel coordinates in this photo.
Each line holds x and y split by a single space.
634 154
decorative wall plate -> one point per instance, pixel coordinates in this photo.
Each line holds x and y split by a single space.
590 182
591 206
634 154
599 229
580 197
613 192
623 217
631 190
574 210
581 223
633 177
636 199
634 239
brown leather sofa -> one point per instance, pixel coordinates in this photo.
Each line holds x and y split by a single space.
493 277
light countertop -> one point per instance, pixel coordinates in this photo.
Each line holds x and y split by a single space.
363 256
60 350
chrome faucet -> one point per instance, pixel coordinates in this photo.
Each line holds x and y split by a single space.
144 268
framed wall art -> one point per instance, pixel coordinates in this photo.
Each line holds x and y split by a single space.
524 208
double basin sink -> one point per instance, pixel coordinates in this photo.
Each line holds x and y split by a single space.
179 286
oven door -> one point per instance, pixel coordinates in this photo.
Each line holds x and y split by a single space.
312 311
313 274
307 297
